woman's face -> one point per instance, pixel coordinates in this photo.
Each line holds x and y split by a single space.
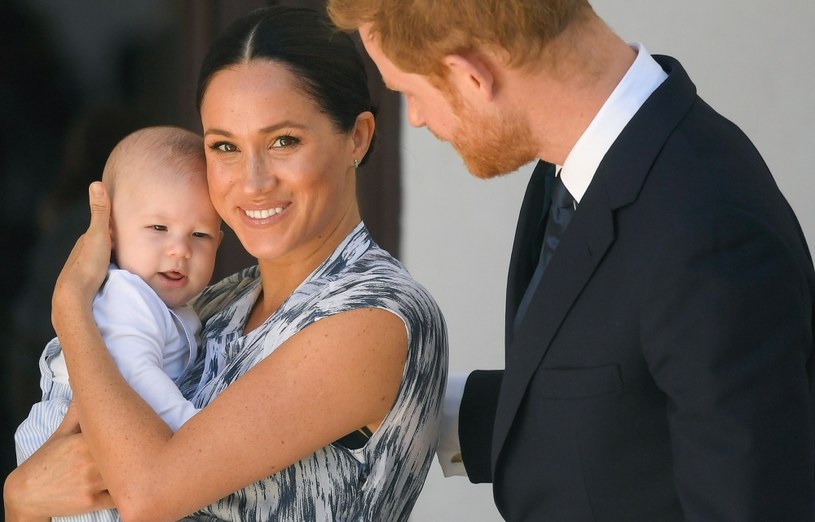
280 173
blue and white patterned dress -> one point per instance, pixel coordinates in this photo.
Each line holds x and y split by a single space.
378 482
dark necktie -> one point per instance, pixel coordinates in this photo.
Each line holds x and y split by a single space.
561 211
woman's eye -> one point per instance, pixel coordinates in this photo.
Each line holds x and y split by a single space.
285 141
223 146
159 228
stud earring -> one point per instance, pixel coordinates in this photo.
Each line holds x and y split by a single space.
356 164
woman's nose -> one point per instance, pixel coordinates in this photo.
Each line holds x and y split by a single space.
259 177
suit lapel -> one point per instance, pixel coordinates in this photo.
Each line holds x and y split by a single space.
528 237
591 233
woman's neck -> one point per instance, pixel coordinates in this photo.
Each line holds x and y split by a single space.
280 279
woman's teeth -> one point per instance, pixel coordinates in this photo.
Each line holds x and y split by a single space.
263 214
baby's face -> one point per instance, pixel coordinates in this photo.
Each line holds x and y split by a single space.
167 233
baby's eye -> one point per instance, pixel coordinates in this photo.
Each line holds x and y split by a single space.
223 146
200 234
285 141
159 228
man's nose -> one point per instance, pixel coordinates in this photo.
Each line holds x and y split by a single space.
414 116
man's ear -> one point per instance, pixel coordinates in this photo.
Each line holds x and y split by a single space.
474 72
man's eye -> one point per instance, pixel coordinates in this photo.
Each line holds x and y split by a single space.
285 141
160 228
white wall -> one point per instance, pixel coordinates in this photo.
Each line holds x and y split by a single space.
751 59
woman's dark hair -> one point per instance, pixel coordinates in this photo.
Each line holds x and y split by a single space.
324 60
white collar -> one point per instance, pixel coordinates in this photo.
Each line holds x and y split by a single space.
642 79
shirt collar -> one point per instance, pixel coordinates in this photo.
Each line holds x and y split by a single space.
642 79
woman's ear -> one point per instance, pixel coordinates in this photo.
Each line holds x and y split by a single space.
472 73
362 134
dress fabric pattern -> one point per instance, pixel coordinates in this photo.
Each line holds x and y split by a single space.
378 482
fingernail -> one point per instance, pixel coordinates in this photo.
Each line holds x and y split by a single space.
96 189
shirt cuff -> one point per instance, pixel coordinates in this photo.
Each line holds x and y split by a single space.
449 449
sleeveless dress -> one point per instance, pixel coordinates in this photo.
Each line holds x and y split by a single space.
377 482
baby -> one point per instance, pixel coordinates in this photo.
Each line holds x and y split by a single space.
165 234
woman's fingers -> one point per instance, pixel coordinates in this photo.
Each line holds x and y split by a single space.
59 478
70 423
85 269
100 208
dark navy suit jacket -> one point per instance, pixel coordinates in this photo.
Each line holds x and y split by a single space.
663 369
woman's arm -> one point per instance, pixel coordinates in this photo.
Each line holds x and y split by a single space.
303 396
60 478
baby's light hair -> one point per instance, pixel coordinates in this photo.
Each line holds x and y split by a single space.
174 146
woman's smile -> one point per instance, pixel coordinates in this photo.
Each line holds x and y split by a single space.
265 213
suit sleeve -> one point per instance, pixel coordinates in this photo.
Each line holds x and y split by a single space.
726 331
476 420
137 327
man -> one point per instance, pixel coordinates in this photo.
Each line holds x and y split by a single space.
659 322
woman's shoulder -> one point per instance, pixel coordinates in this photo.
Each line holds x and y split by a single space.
376 279
368 267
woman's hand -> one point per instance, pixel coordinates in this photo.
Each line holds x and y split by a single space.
61 478
85 269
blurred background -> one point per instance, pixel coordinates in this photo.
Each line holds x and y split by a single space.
77 76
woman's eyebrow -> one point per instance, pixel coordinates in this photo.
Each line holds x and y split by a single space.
265 130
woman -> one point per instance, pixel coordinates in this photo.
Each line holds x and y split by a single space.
323 367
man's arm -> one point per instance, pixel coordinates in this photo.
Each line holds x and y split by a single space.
727 333
476 420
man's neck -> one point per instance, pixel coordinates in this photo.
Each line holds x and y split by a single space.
590 61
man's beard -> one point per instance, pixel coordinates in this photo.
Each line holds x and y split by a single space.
491 146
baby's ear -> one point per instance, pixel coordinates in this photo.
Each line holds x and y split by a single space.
220 237
112 235
112 232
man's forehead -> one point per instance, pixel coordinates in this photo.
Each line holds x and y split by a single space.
386 67
365 31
